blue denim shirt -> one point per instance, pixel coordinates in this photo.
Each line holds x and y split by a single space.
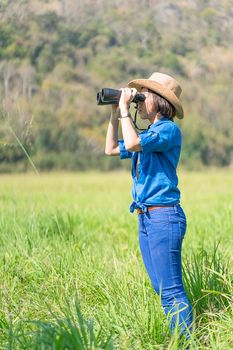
154 168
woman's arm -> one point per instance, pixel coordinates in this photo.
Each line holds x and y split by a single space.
131 139
111 146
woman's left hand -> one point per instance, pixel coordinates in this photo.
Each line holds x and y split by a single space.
127 95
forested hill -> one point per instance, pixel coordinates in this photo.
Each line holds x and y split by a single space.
56 55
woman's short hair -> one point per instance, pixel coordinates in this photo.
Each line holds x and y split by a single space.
164 108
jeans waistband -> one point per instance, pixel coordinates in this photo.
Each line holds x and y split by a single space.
145 208
140 211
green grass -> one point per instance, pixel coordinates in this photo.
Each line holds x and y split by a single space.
71 272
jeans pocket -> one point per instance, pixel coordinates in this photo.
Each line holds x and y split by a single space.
158 215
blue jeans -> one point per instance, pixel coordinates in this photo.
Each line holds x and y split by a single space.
161 232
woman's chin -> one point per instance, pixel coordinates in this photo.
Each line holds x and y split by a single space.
143 116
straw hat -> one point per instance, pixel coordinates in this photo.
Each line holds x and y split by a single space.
163 85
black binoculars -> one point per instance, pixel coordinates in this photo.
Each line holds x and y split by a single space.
112 96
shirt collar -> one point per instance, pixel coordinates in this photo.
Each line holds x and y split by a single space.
160 121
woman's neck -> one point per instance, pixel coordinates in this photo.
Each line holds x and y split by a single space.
156 118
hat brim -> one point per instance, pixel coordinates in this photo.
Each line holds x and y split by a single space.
160 90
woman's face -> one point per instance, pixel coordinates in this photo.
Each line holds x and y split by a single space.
147 109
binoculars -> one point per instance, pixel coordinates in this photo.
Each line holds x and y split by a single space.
112 96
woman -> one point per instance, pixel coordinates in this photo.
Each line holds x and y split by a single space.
155 154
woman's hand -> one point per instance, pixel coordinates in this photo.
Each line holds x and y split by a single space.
127 95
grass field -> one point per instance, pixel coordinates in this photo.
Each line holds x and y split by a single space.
71 274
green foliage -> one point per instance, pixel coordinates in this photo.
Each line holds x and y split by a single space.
172 62
70 332
48 22
72 273
209 14
56 55
45 61
6 38
205 278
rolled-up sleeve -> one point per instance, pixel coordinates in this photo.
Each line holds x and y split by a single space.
156 140
124 153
